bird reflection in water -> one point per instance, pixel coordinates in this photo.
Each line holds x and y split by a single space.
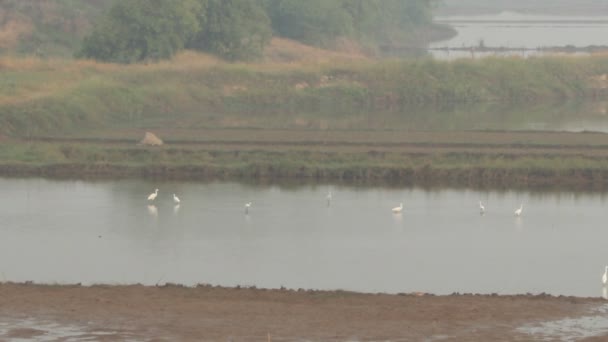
152 210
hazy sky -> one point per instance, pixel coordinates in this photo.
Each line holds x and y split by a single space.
537 6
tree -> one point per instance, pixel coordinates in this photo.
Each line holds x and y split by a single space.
234 29
365 14
315 22
320 22
137 30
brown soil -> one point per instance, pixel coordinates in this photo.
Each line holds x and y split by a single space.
174 313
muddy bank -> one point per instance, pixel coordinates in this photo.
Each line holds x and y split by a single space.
478 159
423 176
204 313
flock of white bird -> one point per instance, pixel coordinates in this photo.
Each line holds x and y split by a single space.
153 195
177 201
396 210
518 211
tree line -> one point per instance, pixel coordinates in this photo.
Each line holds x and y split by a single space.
139 30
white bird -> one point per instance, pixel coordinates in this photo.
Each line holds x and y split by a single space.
519 210
153 195
247 206
482 209
328 197
176 199
398 209
605 276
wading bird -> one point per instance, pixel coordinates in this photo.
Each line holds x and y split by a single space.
247 206
482 209
398 209
328 197
153 195
519 210
176 199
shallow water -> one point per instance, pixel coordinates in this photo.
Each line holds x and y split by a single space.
570 329
515 30
105 232
559 116
33 329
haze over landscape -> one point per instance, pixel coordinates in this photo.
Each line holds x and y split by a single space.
319 170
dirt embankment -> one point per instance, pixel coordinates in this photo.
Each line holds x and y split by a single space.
173 313
426 176
471 159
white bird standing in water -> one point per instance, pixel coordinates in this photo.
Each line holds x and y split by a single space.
519 210
153 195
328 197
176 199
398 209
605 276
247 206
482 209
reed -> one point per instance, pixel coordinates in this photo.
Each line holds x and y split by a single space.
454 168
42 97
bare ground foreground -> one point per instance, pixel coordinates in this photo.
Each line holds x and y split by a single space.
205 313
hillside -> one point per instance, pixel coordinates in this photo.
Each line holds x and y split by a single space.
46 28
56 28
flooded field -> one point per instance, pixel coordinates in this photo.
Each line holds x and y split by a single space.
107 232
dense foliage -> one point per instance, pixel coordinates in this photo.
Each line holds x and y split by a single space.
233 29
136 30
319 22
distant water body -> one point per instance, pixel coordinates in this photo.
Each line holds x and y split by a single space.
519 34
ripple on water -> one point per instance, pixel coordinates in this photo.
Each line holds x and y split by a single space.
571 329
42 331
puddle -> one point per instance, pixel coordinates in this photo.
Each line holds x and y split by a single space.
570 329
37 330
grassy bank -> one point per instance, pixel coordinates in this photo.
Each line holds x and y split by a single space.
537 163
191 100
54 97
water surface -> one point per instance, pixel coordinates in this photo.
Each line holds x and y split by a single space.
574 116
520 31
105 232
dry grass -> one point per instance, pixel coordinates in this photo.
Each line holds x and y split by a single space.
64 74
282 50
12 31
187 60
38 96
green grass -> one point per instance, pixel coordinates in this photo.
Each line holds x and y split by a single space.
53 97
456 168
